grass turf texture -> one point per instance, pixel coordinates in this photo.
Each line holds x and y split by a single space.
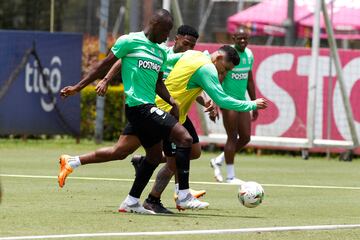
36 206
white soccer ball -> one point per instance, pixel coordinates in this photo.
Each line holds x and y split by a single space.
251 194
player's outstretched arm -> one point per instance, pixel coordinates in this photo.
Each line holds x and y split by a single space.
97 72
103 84
208 80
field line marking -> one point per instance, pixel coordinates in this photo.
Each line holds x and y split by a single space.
192 182
197 232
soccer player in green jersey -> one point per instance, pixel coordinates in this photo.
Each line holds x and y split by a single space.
237 124
142 61
185 39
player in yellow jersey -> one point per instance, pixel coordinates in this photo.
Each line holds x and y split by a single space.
194 72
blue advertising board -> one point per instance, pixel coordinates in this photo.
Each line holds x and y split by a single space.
30 104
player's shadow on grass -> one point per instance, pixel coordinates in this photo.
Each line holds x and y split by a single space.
202 215
184 214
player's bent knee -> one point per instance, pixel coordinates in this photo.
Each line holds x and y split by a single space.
184 141
180 136
187 141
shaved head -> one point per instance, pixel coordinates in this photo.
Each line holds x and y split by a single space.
161 15
240 39
159 27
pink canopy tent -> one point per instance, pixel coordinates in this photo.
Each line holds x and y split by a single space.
345 20
267 18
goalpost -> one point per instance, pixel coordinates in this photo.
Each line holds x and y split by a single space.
310 141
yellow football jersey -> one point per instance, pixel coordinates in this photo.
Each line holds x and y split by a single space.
178 79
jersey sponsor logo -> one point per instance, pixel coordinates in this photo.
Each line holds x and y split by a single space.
240 76
149 65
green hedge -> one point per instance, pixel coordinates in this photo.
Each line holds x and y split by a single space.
114 119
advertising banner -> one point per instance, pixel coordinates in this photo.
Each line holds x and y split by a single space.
281 75
30 104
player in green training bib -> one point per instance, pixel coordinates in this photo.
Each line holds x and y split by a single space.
237 124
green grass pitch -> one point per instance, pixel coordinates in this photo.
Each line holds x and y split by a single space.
36 206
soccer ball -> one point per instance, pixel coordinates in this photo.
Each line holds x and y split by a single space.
251 194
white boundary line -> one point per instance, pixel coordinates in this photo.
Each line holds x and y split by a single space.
192 232
203 183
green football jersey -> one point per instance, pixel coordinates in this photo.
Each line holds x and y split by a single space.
142 60
168 66
236 80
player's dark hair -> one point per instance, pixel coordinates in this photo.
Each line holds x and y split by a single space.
231 54
187 30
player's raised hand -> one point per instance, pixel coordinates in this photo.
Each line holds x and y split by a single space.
209 106
261 103
68 91
101 87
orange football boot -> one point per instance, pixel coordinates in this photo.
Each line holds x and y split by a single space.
65 169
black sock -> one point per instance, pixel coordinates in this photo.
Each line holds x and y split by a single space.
142 178
182 158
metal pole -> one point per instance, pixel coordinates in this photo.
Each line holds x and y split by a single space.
134 16
100 101
240 5
177 13
205 18
329 109
311 104
289 24
118 21
335 54
166 4
52 15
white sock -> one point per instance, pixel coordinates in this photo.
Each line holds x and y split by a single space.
74 162
219 159
176 188
230 171
131 200
183 193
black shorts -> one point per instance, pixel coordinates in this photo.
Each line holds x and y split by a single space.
128 130
169 148
149 123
